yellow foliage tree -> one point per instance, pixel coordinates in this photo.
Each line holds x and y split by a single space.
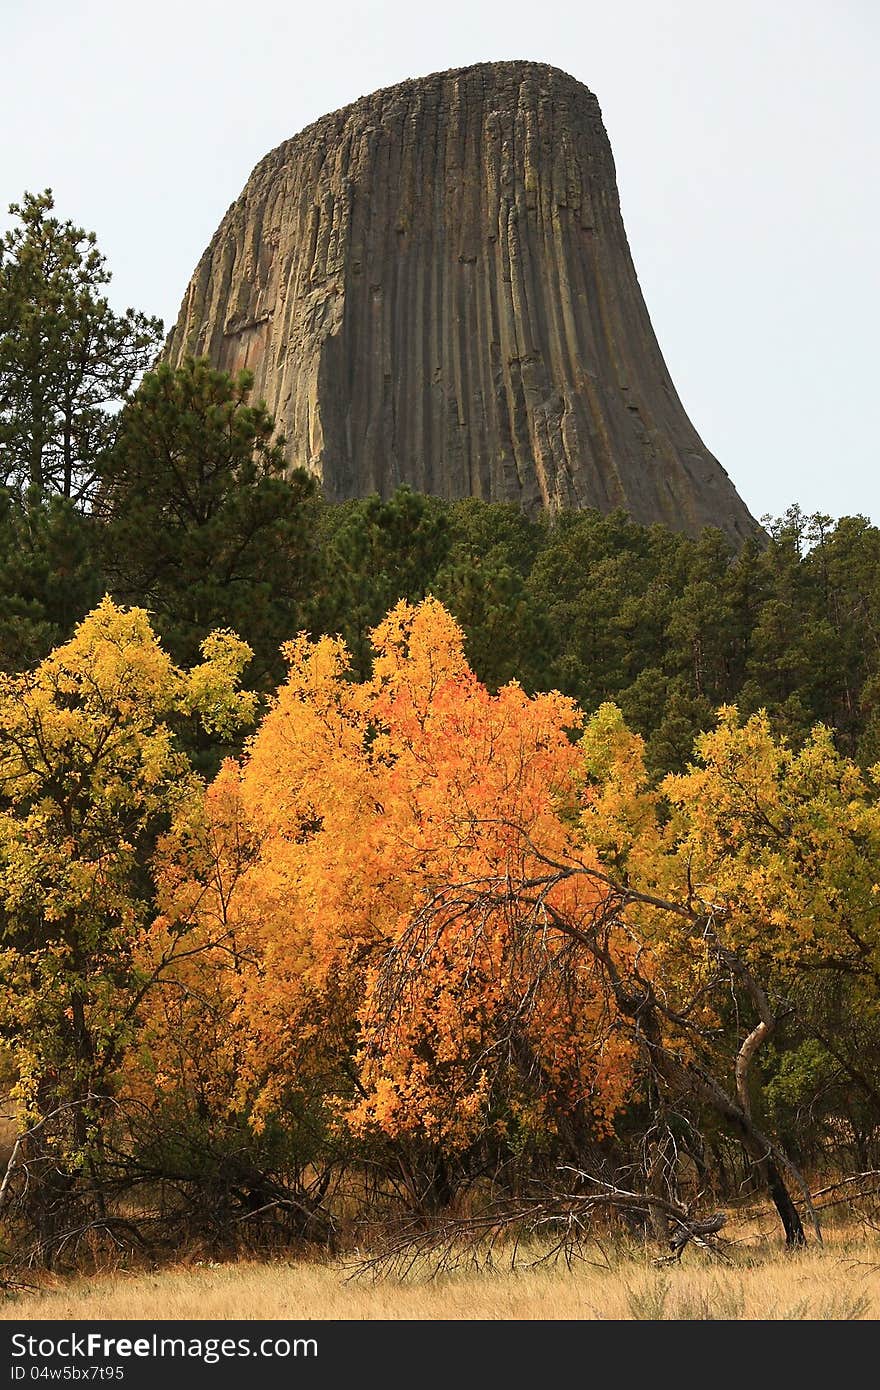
90 774
749 877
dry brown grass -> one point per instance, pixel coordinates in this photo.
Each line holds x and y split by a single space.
840 1281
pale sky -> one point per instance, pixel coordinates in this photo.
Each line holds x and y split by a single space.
745 136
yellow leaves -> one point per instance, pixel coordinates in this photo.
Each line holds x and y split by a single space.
618 811
783 839
367 896
211 691
114 659
316 678
420 645
102 701
90 726
611 753
90 770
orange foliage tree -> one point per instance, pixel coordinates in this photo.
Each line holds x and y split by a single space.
395 923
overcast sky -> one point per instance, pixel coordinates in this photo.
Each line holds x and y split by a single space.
745 137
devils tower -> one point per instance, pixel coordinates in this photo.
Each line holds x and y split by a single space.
433 286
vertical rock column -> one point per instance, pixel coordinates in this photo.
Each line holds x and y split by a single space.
434 286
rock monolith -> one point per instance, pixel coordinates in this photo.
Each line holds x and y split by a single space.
433 286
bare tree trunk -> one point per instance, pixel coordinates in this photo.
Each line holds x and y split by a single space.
684 1079
656 1212
764 1161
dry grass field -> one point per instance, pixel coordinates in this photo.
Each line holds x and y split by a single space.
839 1281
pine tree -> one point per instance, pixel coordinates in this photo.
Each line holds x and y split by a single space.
199 521
66 358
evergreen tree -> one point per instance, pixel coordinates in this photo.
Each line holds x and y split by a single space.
484 583
375 553
49 577
200 523
65 357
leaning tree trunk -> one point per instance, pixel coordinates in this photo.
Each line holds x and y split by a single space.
757 1148
681 1079
637 1002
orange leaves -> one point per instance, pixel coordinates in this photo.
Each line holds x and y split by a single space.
405 833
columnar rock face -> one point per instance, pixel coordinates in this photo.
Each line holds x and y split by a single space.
433 286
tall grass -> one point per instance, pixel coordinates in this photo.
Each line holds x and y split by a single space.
841 1281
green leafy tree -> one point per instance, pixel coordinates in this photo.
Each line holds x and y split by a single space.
66 358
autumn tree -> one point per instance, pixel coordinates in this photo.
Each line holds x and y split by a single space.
477 933
237 1173
373 808
786 842
423 931
748 878
90 772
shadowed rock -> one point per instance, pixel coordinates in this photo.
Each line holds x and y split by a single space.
433 286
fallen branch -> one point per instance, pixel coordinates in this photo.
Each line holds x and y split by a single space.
472 1241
